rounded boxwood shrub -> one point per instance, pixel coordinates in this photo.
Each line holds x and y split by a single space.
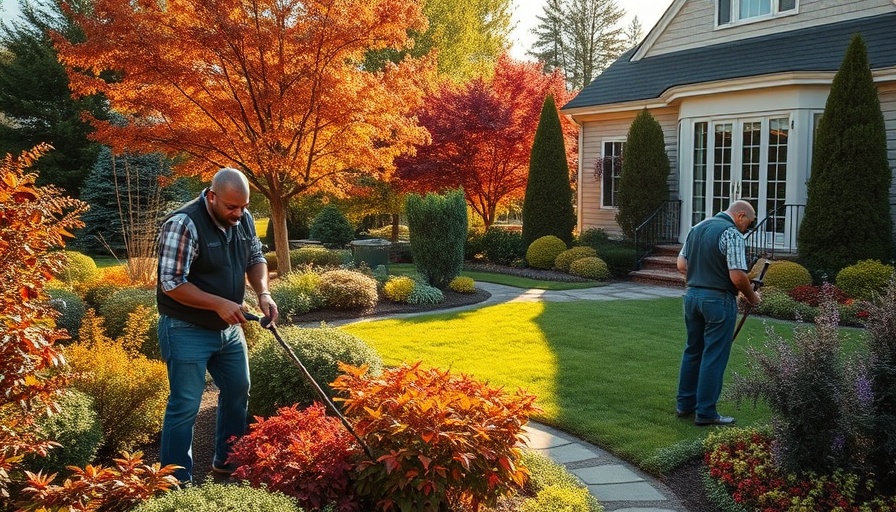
565 258
346 289
462 284
318 257
214 497
865 279
331 228
116 309
76 268
76 428
319 349
297 292
783 275
71 310
398 288
591 267
543 251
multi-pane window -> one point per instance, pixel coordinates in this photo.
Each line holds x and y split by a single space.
701 155
721 169
611 170
734 11
778 135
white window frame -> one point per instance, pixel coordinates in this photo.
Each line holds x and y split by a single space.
735 19
603 145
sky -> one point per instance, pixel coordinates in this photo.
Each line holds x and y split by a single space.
525 11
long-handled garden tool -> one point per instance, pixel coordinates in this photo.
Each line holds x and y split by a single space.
267 324
757 284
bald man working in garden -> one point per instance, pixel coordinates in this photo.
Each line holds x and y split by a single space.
207 249
714 261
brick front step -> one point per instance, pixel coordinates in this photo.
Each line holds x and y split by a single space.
669 263
658 277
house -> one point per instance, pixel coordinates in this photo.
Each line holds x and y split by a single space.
739 87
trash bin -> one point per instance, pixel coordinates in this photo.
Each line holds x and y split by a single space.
374 252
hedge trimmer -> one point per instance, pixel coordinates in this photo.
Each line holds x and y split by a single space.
757 284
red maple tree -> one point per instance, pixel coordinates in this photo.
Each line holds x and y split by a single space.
482 133
275 88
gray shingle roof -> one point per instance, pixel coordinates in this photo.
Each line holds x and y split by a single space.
819 48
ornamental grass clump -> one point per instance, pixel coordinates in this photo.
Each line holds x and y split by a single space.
438 438
882 380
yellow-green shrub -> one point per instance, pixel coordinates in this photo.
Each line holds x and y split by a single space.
543 251
782 275
565 258
272 261
463 284
129 393
318 257
398 288
345 289
115 309
865 279
297 292
591 267
76 268
76 428
561 499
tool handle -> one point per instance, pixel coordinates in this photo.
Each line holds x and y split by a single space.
757 283
263 320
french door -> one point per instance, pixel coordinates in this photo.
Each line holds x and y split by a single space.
742 159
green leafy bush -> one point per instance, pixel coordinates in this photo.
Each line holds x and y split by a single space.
473 247
319 349
864 280
70 307
347 289
776 303
214 497
399 288
619 256
304 454
386 232
565 258
297 292
318 257
502 246
782 275
544 250
76 268
425 294
462 284
116 309
331 227
590 268
593 237
76 428
271 258
425 427
438 228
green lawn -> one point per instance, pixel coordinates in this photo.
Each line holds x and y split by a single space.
605 371
404 269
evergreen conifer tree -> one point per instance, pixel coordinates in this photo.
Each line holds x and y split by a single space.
644 180
847 212
547 207
438 229
35 98
125 191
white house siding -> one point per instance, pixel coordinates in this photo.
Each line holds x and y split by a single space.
611 127
887 93
694 25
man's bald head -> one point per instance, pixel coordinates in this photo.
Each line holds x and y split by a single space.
742 213
229 179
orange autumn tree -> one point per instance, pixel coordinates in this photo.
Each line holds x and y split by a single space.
274 88
482 133
33 220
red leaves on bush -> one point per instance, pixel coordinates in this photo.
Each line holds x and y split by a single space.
438 437
304 454
813 295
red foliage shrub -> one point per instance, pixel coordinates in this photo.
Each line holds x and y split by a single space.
112 489
304 454
813 295
438 438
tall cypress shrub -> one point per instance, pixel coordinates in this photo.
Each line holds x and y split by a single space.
644 180
847 212
438 231
547 207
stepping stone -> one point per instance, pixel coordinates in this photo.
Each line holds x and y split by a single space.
637 491
607 474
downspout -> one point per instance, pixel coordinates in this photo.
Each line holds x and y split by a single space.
579 174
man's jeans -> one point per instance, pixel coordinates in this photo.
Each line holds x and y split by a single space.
709 317
190 350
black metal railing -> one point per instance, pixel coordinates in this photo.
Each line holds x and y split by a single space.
661 226
776 234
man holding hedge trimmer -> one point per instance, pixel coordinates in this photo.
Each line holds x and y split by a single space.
714 262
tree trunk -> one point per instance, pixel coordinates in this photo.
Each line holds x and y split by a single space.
396 220
281 237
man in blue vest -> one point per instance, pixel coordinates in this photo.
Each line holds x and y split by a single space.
714 260
207 249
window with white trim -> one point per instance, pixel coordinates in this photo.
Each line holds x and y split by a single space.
732 12
611 169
